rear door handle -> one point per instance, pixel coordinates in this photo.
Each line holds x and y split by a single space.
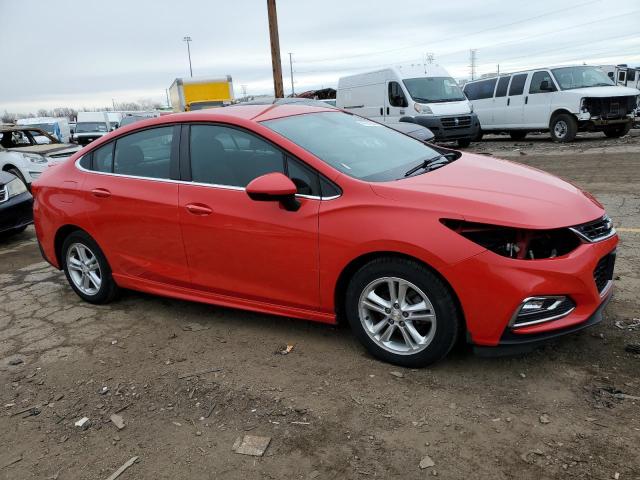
101 192
381 111
526 100
199 209
508 101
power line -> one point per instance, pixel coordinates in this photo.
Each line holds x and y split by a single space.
446 39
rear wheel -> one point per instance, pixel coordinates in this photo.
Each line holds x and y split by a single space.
87 270
402 312
517 134
563 128
616 131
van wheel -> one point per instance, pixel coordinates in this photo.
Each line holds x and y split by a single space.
464 143
517 134
617 131
478 136
87 270
402 312
563 128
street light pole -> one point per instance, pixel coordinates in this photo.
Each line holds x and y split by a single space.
188 39
293 94
275 49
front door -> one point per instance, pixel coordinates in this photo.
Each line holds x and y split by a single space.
135 206
397 104
537 107
238 247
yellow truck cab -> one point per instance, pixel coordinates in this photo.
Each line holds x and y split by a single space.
189 94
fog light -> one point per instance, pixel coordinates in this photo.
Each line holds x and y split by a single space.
535 310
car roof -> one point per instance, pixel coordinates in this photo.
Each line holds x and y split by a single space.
256 113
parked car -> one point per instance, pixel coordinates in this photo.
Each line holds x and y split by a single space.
26 151
426 95
57 127
16 205
318 214
414 130
563 101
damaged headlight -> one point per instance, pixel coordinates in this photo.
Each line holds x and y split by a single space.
15 187
523 244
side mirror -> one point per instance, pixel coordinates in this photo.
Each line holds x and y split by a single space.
274 187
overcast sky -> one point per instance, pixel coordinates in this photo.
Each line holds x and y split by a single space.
87 52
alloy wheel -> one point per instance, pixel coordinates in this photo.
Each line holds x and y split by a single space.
397 315
84 269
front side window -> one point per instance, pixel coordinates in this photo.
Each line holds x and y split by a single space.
503 84
144 154
517 84
228 156
433 89
353 145
569 78
538 82
396 95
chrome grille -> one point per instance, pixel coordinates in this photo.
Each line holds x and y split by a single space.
4 194
595 231
455 122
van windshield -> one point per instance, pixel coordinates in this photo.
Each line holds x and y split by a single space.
434 89
47 127
581 77
90 127
354 145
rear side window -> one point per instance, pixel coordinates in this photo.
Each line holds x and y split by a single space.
537 82
480 90
145 154
228 156
396 95
517 84
103 159
503 83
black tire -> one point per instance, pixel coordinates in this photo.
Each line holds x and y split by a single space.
448 322
108 289
617 131
517 134
478 136
464 142
563 128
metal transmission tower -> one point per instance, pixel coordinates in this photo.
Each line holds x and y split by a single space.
188 39
472 65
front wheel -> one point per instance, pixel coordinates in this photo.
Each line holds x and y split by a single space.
563 128
464 143
402 312
87 270
617 131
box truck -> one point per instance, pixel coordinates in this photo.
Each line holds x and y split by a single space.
188 94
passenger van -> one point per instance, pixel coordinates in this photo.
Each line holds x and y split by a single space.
426 95
57 127
562 100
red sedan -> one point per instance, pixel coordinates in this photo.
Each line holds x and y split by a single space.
318 214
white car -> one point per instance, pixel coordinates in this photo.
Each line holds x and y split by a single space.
23 153
561 100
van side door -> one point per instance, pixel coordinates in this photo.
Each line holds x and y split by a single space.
537 102
481 95
515 101
499 113
396 102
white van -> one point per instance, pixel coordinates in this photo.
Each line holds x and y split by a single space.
57 127
426 95
93 125
562 100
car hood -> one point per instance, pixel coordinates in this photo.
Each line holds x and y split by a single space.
487 190
54 150
612 91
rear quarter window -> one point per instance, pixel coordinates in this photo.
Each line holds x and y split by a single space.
480 90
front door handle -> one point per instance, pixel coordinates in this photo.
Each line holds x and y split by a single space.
526 99
199 209
101 193
388 112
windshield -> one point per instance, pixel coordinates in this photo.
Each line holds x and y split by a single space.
47 127
89 127
354 145
580 77
434 89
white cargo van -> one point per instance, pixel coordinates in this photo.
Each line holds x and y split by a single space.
562 100
57 127
93 125
426 95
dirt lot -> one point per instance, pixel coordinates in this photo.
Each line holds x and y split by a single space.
564 411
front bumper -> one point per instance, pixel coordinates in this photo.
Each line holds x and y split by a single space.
16 212
450 127
491 288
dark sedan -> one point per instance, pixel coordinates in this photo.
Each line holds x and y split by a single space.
16 205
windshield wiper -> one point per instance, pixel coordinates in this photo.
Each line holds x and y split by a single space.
428 164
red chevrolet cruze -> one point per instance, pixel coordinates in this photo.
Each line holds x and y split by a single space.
318 214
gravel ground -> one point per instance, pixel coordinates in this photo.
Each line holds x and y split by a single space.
189 379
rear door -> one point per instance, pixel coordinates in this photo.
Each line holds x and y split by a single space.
238 247
481 95
537 103
133 204
515 101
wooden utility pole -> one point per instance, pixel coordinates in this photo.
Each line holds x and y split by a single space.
275 49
